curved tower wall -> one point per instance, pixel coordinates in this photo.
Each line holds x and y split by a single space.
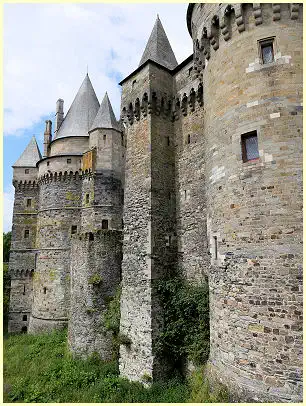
95 276
58 211
254 222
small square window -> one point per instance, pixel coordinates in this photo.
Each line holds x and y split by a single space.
74 229
266 49
29 202
26 233
69 161
249 146
27 171
104 224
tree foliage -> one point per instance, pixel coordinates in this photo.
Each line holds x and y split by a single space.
6 246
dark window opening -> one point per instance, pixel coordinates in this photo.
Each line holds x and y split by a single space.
87 198
48 163
122 140
168 140
104 138
190 70
45 291
104 224
24 290
91 237
29 202
27 171
74 229
24 329
249 145
134 82
24 317
266 50
188 139
68 161
35 261
26 233
215 247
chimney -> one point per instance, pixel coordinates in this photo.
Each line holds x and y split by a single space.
47 137
59 114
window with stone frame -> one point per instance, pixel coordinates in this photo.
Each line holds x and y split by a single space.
29 202
104 224
266 50
249 146
26 233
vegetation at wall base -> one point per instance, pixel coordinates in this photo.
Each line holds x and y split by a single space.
40 369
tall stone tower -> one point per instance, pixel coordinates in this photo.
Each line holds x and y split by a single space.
249 59
149 246
23 255
59 214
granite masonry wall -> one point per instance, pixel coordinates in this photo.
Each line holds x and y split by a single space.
95 276
59 212
254 216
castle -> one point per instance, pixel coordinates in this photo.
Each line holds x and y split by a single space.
203 175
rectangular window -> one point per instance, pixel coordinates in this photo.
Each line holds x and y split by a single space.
24 317
168 140
74 229
48 163
188 139
266 50
215 247
27 171
26 233
69 161
29 202
249 146
87 198
104 224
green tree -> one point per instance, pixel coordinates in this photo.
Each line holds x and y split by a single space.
6 246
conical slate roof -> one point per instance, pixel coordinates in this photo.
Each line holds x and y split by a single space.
158 48
105 117
30 155
82 112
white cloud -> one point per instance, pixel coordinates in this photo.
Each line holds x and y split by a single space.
8 203
48 46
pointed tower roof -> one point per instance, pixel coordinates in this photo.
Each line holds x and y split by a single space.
158 48
30 155
82 112
105 117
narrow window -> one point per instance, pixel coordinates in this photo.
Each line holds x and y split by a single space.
69 161
249 146
35 261
27 171
133 83
168 140
215 247
104 139
104 224
48 163
24 290
185 194
45 291
87 198
29 202
266 50
74 229
122 140
91 237
188 139
189 71
26 233
24 317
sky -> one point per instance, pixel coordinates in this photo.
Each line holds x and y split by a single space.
47 49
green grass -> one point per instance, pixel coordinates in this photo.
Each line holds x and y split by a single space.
40 369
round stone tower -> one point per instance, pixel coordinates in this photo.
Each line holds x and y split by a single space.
249 58
59 174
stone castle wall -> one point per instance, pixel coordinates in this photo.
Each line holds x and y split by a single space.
95 276
255 207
